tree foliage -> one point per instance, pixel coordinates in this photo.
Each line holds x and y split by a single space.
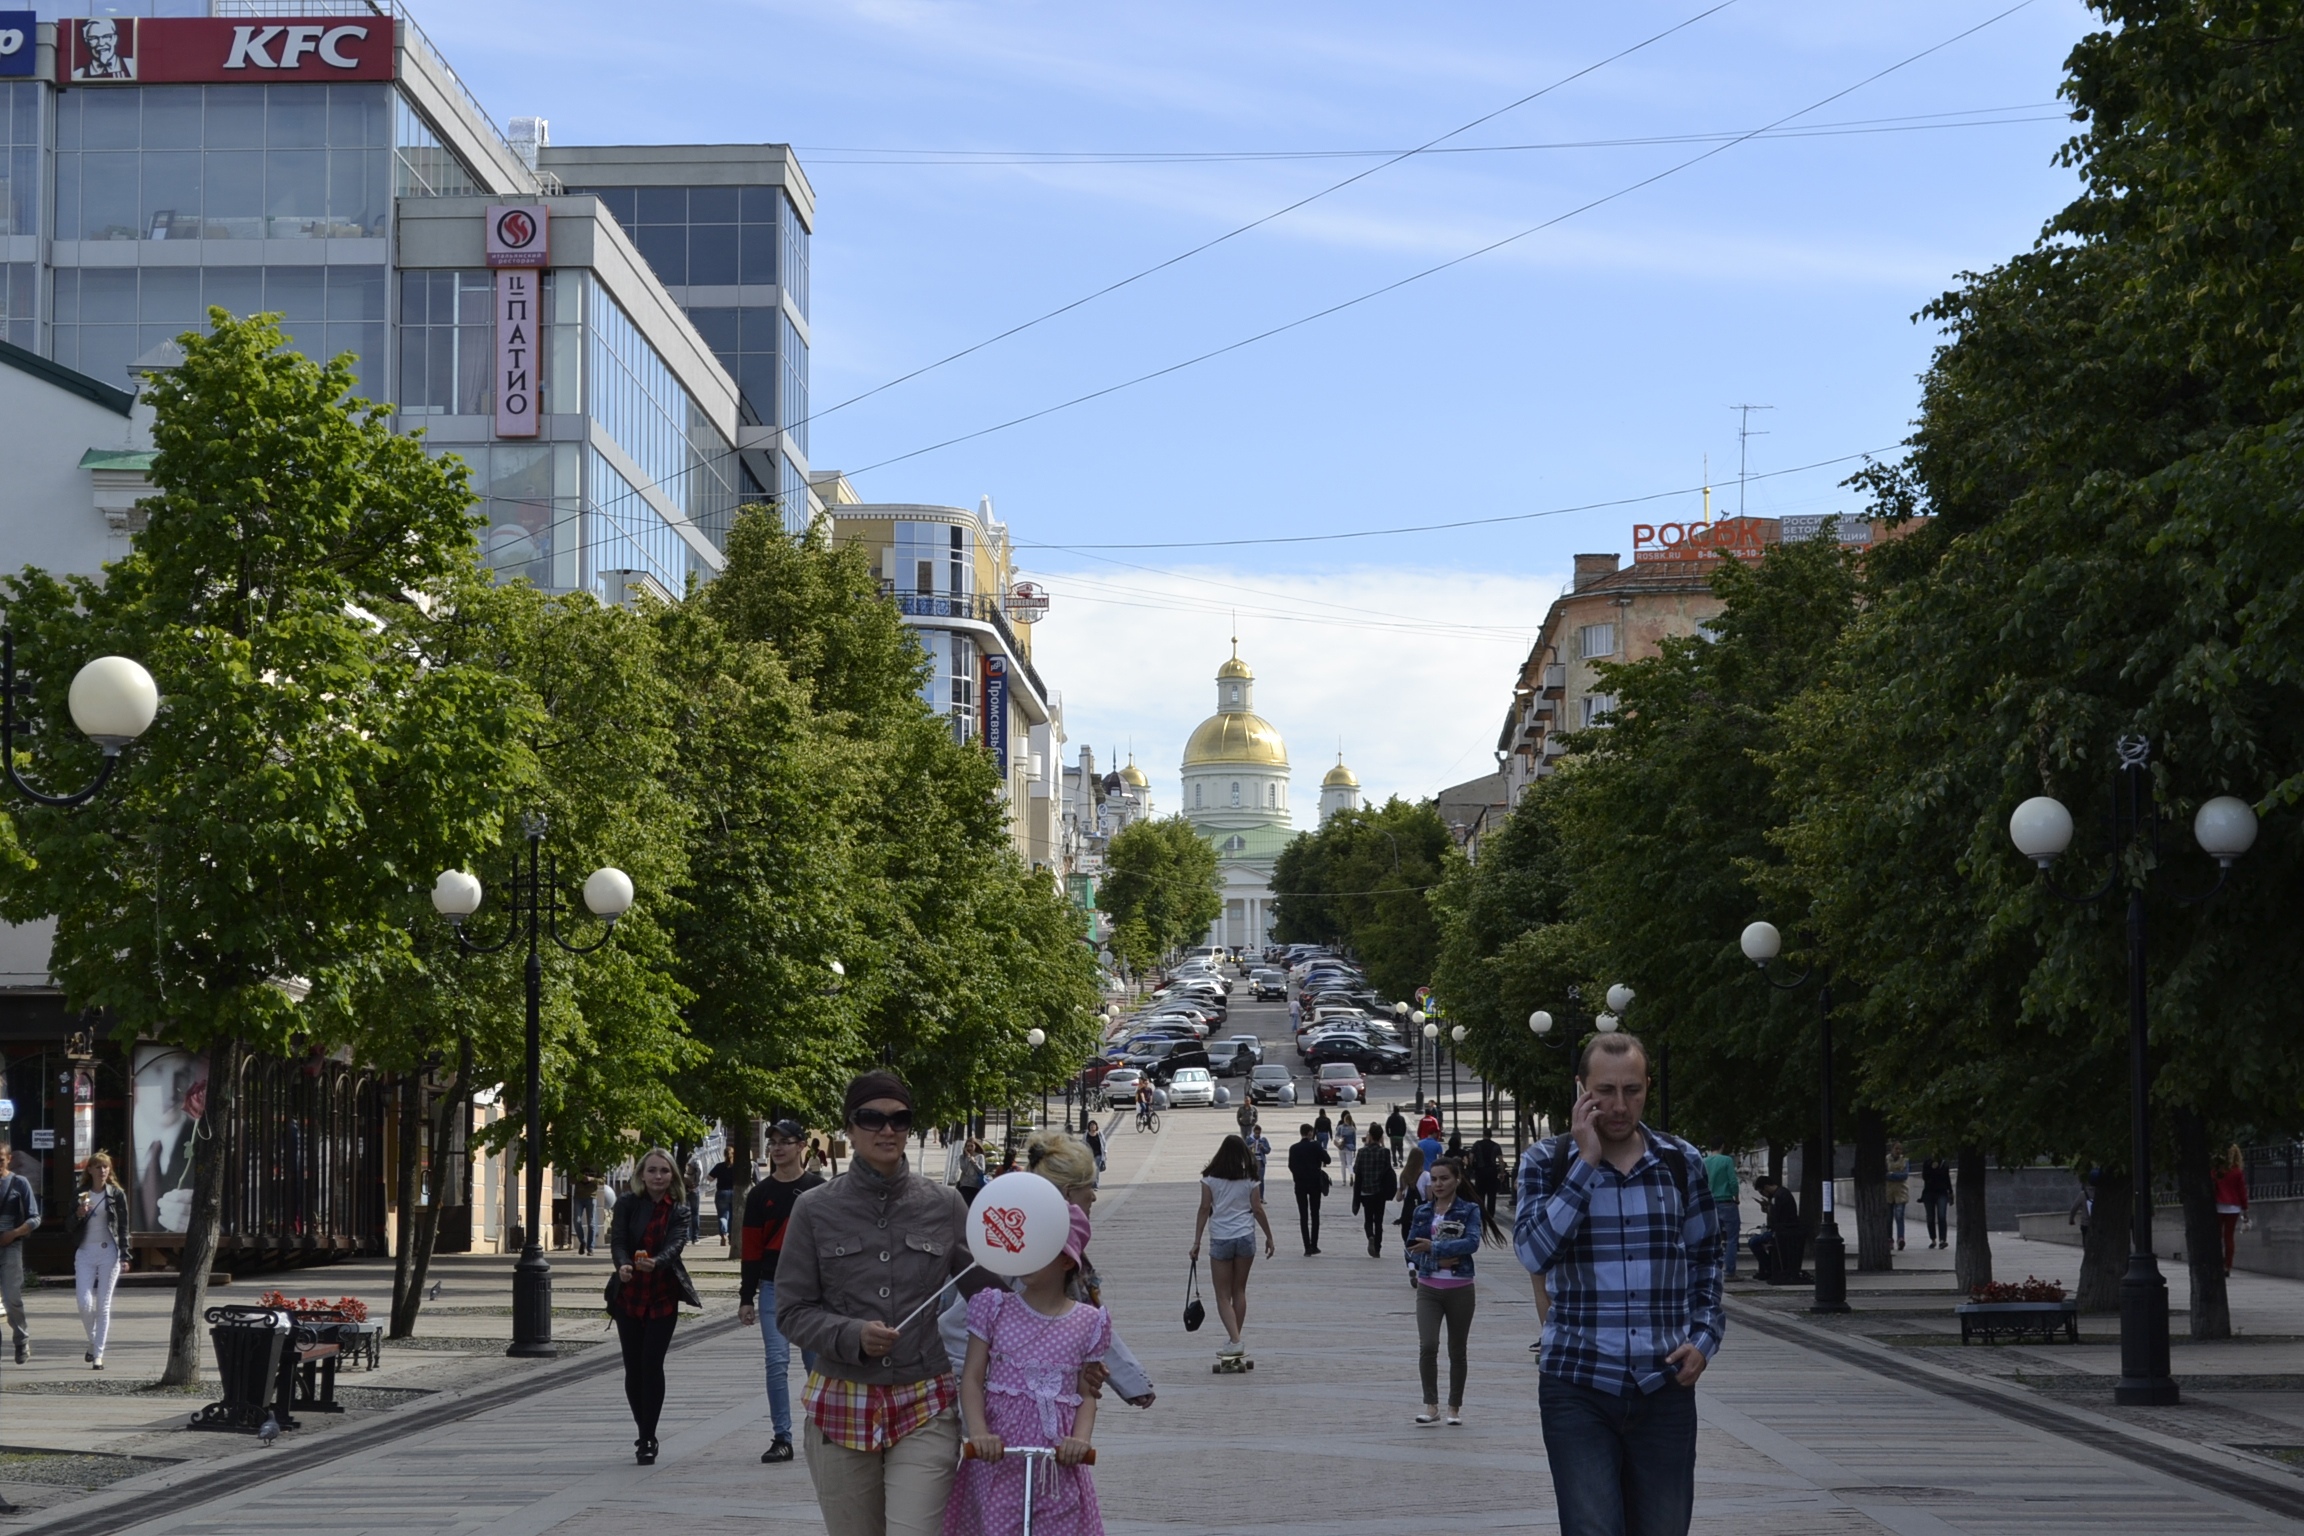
1160 889
1364 881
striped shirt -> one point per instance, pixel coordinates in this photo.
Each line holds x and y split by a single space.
1633 1261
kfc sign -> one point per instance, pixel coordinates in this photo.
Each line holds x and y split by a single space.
148 50
1739 538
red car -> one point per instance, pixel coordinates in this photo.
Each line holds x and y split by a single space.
1333 1077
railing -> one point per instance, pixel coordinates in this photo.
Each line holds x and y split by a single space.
413 36
2275 1172
979 606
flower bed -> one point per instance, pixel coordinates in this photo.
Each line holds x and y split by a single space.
2032 1289
344 1309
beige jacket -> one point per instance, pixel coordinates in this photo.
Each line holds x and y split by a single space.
866 1249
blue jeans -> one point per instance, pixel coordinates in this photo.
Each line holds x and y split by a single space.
1621 1466
779 1364
587 1229
1731 1223
726 1201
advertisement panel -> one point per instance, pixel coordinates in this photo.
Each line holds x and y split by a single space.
518 235
171 1093
1739 538
996 710
19 37
517 332
170 49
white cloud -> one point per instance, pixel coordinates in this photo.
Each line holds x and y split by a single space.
1410 668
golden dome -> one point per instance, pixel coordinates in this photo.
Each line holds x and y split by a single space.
1234 668
1340 777
1133 776
1236 737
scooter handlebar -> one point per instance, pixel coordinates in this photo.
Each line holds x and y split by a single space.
968 1451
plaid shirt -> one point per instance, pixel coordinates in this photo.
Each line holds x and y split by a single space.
867 1417
1633 1262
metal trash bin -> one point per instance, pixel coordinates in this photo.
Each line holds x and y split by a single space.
248 1343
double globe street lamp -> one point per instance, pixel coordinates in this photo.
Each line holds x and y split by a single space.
535 900
1541 1022
2225 828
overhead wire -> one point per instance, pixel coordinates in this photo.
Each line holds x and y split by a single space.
1440 267
1232 234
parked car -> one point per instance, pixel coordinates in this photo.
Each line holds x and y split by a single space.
1192 1087
1227 1059
1250 1046
1268 986
1365 1055
1330 1078
1273 1084
1120 1089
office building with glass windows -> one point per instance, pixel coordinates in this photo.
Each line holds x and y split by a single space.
320 160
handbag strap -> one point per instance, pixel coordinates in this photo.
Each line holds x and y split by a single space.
1192 1281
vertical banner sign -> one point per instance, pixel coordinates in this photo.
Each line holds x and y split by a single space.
996 710
519 248
83 1116
517 290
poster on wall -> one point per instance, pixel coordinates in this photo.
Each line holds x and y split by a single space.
83 1116
171 1092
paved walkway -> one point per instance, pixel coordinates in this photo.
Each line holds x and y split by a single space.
1316 1439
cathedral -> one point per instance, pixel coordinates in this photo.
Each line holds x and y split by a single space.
1236 796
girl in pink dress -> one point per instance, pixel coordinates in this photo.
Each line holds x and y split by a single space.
1021 1386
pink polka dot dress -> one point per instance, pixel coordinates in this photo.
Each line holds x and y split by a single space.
1031 1397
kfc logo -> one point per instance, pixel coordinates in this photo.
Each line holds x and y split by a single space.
168 49
250 45
107 50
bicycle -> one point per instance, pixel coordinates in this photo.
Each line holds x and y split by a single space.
1148 1120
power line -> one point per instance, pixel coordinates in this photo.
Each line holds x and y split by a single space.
1921 122
1469 522
1433 271
1231 234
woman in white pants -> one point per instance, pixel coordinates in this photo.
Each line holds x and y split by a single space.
99 1252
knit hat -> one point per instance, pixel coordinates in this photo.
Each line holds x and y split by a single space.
1076 1242
874 1085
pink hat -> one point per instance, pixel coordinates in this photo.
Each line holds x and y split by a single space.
1076 1242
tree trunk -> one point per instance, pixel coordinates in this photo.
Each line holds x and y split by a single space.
1812 1175
446 1183
1972 1239
2104 1252
1776 1161
410 1174
186 1329
2203 1233
1872 1250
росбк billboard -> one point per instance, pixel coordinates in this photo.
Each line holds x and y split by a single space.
132 50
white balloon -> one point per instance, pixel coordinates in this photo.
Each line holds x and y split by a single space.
1018 1224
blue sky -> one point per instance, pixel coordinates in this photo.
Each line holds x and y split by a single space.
1595 360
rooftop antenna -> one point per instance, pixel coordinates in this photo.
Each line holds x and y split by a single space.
1744 434
1707 490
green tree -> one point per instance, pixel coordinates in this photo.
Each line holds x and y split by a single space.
1160 881
312 765
1364 880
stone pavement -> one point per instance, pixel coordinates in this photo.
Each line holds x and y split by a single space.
1799 1437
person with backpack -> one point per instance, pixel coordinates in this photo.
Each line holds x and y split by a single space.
1373 1186
1620 1221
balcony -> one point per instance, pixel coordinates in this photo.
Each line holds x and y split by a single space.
978 606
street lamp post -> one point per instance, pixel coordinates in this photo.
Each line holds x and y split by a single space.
1431 1034
2225 828
1037 1038
1455 1103
535 900
1762 943
112 700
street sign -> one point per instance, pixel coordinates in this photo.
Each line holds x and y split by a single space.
44 1139
7 1110
1027 603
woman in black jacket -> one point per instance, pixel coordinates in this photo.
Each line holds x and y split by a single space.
99 1252
1936 1199
645 1235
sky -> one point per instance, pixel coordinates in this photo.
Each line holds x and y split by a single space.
977 166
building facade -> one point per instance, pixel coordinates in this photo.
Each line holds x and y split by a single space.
948 571
332 168
1235 773
1339 791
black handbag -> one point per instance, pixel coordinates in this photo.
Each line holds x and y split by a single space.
1194 1312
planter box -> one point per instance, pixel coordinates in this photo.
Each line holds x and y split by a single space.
1993 1321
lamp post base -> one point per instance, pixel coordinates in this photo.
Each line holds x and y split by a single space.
2144 1380
532 1307
1831 1269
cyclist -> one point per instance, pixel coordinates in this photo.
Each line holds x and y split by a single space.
1143 1102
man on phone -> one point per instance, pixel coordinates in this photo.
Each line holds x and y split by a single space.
1620 1220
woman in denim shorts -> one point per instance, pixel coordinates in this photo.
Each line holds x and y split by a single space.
1231 1210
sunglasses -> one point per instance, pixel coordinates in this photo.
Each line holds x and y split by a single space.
881 1120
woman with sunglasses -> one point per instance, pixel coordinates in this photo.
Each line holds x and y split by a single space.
861 1254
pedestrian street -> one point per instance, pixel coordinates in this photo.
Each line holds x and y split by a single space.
1318 1438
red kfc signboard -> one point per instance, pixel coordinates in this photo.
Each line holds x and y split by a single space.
129 50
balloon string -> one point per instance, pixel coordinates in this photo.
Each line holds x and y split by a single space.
931 1301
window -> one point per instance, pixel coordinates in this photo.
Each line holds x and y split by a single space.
107 317
20 157
1195 797
1235 843
1235 693
422 166
1597 708
1235 791
963 688
447 343
960 571
637 400
1596 640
